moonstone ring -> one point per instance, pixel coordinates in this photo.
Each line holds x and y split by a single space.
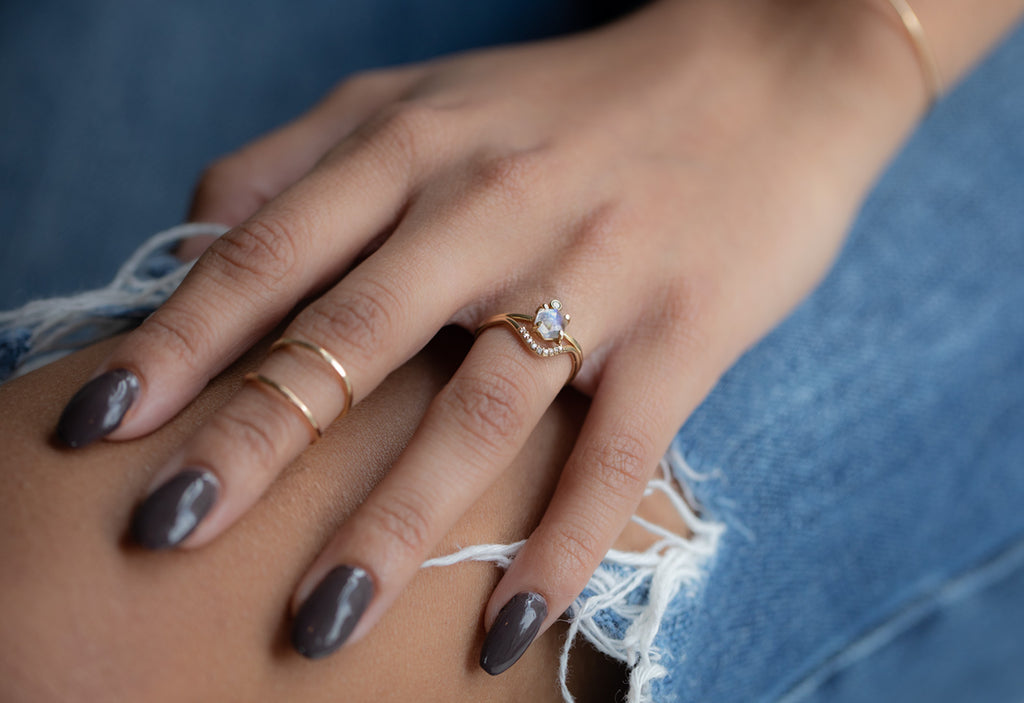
543 333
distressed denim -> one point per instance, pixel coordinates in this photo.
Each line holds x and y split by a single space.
866 459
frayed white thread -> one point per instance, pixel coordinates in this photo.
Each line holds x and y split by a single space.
55 322
672 563
499 554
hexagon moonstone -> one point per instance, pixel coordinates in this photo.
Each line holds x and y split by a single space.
549 323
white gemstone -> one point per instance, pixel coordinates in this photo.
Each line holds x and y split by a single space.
549 323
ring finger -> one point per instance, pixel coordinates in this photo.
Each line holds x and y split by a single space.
372 321
472 431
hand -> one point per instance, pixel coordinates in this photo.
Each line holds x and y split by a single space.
679 180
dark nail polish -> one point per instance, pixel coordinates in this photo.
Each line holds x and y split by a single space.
512 632
97 408
173 510
331 612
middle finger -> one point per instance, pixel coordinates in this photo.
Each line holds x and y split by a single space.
372 321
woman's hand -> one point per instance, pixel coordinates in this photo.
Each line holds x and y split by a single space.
679 181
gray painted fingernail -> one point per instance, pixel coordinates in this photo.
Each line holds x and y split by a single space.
97 408
173 510
513 632
331 612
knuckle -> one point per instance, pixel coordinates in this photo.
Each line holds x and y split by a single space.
403 518
178 336
260 254
249 431
619 464
509 177
599 233
218 175
361 317
681 313
409 129
489 407
357 85
367 85
230 189
577 546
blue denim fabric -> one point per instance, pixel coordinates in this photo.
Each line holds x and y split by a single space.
867 456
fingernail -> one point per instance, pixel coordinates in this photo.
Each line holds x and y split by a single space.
173 510
512 632
97 408
331 612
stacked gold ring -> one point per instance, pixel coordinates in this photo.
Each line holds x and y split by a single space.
549 323
290 395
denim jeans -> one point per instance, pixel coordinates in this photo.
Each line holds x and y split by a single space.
866 457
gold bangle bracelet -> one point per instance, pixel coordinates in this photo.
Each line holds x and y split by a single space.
925 57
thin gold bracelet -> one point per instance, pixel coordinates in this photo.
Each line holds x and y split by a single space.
924 53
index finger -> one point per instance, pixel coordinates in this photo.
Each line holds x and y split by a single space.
245 283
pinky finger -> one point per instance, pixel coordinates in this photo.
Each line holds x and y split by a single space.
237 185
631 421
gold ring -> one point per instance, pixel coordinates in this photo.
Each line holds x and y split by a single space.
346 385
290 396
547 324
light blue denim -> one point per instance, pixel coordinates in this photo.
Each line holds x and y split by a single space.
867 456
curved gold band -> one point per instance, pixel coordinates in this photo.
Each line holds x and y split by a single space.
290 396
346 385
925 56
521 325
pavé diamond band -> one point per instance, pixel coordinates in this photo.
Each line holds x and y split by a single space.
543 333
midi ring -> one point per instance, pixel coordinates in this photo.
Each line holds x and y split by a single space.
548 323
339 370
290 395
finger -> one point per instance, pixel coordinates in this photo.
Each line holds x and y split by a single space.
253 275
472 431
370 322
235 456
630 423
237 185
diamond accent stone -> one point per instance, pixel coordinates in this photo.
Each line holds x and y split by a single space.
549 323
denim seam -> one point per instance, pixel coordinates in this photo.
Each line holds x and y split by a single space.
976 579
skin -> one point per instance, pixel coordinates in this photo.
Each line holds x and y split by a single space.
681 180
88 616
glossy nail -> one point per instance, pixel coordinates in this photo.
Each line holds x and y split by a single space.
331 612
173 510
97 408
512 632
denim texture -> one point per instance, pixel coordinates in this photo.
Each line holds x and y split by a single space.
867 456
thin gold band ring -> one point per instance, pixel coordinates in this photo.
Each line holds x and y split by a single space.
548 323
293 399
346 385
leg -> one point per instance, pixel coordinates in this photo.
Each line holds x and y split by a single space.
89 617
